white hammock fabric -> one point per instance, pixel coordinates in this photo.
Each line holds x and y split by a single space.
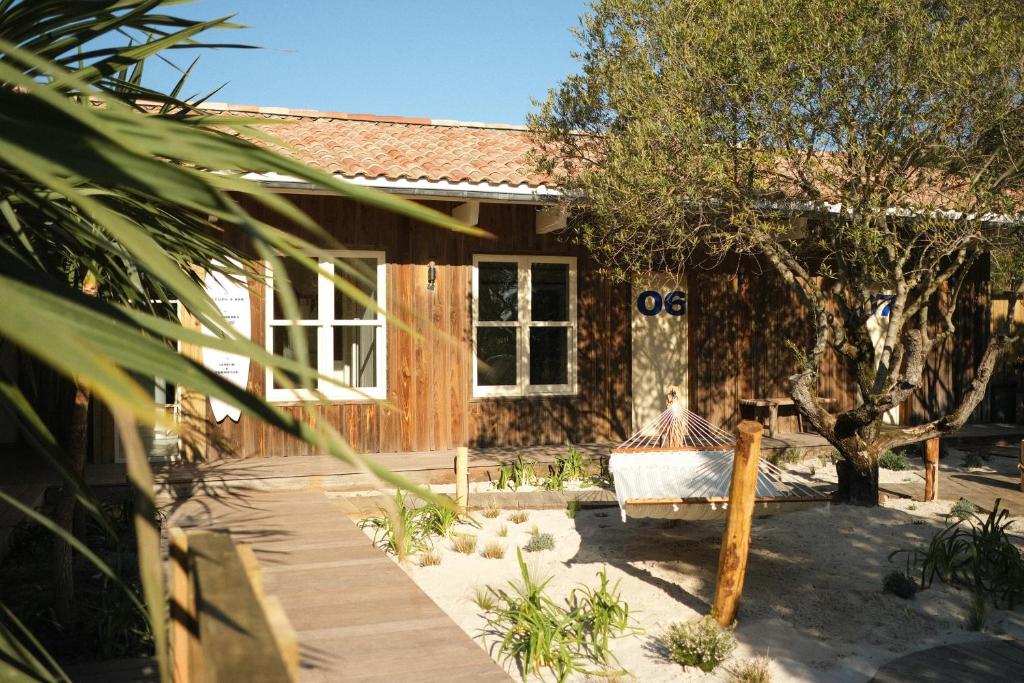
679 466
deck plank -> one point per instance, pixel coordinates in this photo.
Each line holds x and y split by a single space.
357 614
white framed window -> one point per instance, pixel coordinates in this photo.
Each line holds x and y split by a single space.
346 339
524 325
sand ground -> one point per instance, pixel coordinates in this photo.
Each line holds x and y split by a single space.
812 601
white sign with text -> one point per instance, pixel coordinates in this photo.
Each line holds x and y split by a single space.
232 298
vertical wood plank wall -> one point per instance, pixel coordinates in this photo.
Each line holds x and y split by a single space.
429 375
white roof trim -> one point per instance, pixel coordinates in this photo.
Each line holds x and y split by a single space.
439 188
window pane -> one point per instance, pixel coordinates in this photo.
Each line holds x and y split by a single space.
303 282
362 273
549 358
355 355
499 291
549 287
283 347
496 354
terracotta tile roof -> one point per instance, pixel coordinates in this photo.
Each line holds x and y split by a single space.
397 148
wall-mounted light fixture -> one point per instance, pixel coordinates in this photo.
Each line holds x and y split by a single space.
431 275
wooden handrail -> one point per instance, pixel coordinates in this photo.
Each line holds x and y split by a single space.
223 627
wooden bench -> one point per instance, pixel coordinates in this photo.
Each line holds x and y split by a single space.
223 627
773 404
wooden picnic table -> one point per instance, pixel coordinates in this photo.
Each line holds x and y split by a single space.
772 404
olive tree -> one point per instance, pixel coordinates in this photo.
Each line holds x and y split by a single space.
860 148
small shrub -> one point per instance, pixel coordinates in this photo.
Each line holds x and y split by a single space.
484 598
892 460
503 530
978 612
973 460
700 643
464 543
573 466
519 516
571 508
963 509
554 482
493 551
540 542
431 558
491 511
756 670
900 584
787 456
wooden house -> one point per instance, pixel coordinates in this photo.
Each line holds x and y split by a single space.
512 341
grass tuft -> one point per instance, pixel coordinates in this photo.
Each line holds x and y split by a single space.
430 558
519 516
464 543
493 551
484 598
756 670
503 530
491 511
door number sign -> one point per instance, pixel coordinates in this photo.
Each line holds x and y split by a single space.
651 303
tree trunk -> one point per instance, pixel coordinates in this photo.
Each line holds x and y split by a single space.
64 516
857 487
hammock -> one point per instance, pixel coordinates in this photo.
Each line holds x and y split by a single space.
679 466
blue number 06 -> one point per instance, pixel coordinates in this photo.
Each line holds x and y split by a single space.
650 302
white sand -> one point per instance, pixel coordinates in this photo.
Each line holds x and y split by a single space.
812 601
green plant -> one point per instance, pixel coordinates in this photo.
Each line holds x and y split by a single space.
973 553
503 530
963 509
891 460
400 530
493 551
755 670
571 508
830 458
700 643
437 519
972 460
900 584
978 612
601 613
523 473
554 481
464 543
540 542
430 558
491 511
484 598
572 467
535 632
787 456
519 516
504 477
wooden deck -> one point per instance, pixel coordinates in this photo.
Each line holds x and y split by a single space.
359 617
984 661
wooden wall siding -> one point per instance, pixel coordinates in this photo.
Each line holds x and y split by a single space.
429 373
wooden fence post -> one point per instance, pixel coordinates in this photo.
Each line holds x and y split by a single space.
931 469
1020 464
462 477
732 561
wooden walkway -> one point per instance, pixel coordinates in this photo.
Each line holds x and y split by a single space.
985 661
978 486
359 617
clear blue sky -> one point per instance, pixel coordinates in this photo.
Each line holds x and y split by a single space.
476 60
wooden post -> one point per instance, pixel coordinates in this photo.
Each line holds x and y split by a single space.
732 561
931 469
462 477
183 615
1020 464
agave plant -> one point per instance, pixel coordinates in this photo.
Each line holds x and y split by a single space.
115 198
